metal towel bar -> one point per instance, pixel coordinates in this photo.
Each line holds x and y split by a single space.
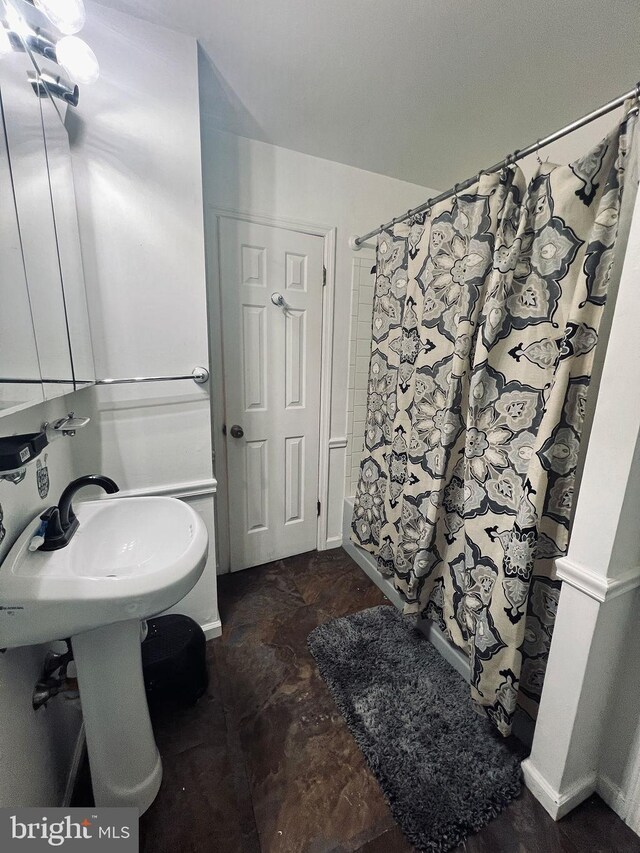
200 375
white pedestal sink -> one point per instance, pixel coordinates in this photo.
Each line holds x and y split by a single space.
130 559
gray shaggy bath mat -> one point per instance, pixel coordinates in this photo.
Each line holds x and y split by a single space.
442 767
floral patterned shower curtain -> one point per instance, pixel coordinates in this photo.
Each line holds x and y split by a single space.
486 316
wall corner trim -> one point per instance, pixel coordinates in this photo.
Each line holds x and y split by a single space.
596 586
557 803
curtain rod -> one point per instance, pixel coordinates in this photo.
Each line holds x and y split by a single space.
509 160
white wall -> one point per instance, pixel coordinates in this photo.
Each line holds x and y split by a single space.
137 169
252 177
36 747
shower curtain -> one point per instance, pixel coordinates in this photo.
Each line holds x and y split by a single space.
485 320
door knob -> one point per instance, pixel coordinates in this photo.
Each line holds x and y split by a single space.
237 431
278 299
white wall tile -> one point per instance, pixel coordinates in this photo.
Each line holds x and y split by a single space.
362 363
359 414
363 348
361 377
359 355
363 330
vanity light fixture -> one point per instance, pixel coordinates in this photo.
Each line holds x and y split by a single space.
44 84
42 43
15 30
68 16
77 59
70 52
16 24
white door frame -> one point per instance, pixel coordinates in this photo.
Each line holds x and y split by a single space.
214 293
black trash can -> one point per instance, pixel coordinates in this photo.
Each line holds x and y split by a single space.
174 660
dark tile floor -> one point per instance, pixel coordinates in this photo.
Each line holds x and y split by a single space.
264 762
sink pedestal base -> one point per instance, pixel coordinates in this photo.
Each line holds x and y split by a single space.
125 763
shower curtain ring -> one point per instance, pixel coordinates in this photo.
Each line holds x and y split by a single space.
512 158
538 157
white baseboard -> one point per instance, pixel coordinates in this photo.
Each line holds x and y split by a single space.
76 760
368 565
332 542
557 803
457 658
212 629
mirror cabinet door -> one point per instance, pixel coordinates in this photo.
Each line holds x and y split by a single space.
22 110
68 238
20 381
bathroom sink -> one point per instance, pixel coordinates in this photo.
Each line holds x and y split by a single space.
131 558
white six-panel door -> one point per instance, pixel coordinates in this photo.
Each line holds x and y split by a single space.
271 358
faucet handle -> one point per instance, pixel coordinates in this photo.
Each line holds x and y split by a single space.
57 534
53 531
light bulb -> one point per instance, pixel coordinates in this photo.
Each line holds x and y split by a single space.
66 15
16 22
78 60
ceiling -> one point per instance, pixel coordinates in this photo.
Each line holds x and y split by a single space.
424 90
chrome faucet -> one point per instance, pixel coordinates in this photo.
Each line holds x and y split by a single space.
61 521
